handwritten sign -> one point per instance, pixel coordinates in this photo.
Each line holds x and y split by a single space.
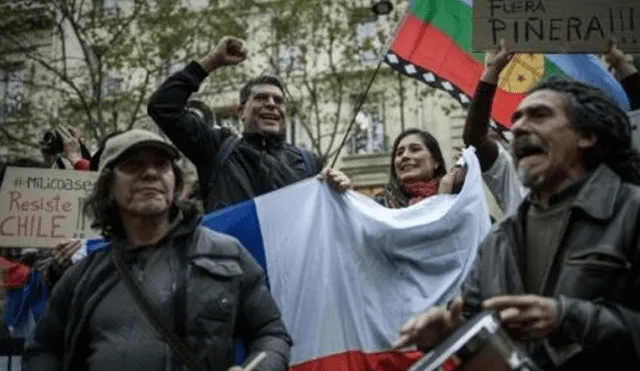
41 207
556 26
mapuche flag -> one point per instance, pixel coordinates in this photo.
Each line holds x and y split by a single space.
433 44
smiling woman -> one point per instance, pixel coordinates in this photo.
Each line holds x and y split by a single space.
417 168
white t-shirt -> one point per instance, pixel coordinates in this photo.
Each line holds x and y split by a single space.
502 180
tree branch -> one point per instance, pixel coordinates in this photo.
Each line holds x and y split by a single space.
49 67
127 23
339 82
15 139
141 96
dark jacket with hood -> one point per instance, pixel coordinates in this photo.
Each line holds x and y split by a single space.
226 299
259 164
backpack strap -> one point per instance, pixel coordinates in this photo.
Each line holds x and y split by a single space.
181 290
226 148
310 162
180 349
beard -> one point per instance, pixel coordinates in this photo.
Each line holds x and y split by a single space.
531 181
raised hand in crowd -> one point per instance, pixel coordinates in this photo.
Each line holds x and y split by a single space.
495 62
229 51
451 182
336 179
620 62
63 252
457 152
70 144
431 327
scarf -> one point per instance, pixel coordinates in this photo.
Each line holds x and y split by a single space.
396 196
419 190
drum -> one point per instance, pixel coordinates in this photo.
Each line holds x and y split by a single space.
479 344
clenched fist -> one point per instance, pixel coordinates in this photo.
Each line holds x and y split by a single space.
229 51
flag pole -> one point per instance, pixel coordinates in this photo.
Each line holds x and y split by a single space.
363 96
361 101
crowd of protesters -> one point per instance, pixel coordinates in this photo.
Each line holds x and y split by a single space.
562 267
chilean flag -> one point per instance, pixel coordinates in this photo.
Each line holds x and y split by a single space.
347 272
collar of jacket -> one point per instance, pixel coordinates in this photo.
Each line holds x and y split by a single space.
596 195
183 223
262 140
565 195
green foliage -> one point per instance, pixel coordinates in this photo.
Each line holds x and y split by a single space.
95 68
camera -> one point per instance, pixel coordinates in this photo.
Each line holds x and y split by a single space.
52 143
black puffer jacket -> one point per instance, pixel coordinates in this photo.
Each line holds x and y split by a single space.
259 164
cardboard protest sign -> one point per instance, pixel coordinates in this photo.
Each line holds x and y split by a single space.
41 207
556 26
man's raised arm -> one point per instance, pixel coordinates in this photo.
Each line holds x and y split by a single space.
167 106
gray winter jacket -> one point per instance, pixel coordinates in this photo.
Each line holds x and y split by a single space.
226 299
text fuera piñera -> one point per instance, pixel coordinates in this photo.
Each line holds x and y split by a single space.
556 25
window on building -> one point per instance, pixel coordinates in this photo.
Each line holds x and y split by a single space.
106 7
287 52
11 91
168 68
287 57
110 7
366 29
369 130
111 85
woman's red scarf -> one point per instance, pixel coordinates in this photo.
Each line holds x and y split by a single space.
418 190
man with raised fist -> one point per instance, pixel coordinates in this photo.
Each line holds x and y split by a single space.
232 169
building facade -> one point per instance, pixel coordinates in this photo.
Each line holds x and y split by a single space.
325 82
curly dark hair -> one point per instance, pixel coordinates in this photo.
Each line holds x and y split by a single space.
393 193
592 112
101 207
245 92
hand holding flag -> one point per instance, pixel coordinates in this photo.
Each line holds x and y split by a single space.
336 179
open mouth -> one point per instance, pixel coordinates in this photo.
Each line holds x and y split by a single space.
406 167
270 117
527 151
